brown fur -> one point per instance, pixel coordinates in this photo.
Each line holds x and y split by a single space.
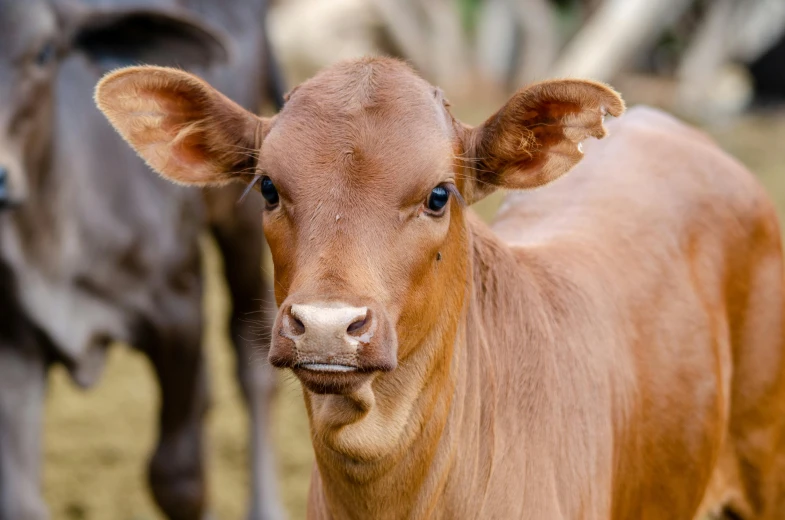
611 348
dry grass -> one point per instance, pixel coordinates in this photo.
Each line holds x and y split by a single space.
96 443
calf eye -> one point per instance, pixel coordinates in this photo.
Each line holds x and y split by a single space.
269 192
438 198
46 55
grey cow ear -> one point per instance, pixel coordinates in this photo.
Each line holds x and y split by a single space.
113 37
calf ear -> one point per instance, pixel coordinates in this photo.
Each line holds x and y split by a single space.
536 136
115 37
182 127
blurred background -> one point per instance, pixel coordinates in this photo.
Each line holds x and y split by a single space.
719 64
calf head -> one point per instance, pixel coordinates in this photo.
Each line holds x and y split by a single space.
366 178
36 34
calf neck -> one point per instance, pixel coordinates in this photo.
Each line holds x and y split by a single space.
611 348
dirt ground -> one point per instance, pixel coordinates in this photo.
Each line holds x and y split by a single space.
96 443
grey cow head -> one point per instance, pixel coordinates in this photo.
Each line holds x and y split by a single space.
35 35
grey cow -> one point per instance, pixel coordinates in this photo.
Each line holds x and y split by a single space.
92 250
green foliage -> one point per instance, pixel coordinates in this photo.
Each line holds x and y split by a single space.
470 13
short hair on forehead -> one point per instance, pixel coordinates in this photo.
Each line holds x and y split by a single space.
361 119
384 92
366 82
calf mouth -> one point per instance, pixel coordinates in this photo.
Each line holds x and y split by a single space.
328 367
332 378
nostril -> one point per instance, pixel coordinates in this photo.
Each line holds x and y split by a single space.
298 326
357 325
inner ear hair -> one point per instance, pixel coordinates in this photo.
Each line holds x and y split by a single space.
535 137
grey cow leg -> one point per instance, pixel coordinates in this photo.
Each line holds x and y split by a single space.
241 242
22 389
257 378
258 385
176 470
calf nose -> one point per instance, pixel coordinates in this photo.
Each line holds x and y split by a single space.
333 347
327 323
331 337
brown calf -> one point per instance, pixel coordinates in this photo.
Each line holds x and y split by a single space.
613 348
